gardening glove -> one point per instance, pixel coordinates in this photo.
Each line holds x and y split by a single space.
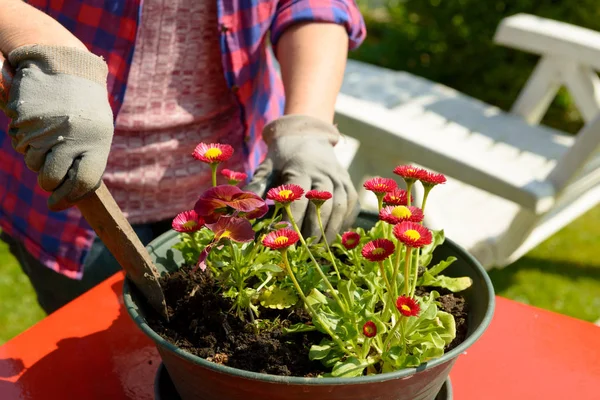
61 119
301 153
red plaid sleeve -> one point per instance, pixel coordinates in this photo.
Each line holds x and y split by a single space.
343 12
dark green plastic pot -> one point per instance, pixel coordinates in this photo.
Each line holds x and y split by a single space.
196 378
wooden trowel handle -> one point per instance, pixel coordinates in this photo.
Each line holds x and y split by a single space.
104 215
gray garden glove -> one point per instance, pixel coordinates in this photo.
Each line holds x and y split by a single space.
61 119
301 152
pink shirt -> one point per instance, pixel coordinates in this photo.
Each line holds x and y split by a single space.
176 97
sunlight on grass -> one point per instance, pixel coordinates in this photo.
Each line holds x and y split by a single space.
562 274
18 307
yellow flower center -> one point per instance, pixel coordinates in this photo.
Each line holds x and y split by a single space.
401 212
405 308
213 152
226 234
370 330
286 193
189 224
378 251
281 240
412 234
350 242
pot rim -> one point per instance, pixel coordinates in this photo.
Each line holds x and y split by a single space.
403 373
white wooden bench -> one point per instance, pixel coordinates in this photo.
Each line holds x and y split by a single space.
512 182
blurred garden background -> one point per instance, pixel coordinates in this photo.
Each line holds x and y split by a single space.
450 42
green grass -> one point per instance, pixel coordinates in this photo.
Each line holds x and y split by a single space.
18 306
562 274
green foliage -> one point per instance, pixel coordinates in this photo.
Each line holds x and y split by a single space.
451 42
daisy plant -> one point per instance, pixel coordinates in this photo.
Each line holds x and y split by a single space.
360 292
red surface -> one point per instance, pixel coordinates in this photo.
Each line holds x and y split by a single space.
90 349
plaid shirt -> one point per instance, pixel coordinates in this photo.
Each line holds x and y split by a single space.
108 28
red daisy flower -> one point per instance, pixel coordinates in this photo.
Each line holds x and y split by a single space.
408 306
280 239
370 329
380 185
432 179
350 240
378 249
412 234
285 193
187 221
409 173
213 152
396 214
318 197
233 177
396 197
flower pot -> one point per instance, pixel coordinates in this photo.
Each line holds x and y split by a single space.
196 378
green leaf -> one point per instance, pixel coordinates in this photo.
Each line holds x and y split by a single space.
347 289
316 298
319 351
299 328
449 326
268 268
438 238
452 284
349 368
277 298
442 265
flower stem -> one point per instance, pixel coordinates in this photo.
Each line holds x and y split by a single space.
327 244
416 276
425 194
388 286
366 347
409 186
391 334
312 258
277 208
407 270
311 310
379 201
396 268
213 167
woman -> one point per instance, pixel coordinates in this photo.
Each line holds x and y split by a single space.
171 74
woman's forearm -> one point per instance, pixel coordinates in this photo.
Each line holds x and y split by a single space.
22 24
312 57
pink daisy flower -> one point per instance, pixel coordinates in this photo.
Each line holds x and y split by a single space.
397 197
407 306
412 234
283 238
285 193
187 221
380 185
233 177
378 250
396 214
212 153
350 240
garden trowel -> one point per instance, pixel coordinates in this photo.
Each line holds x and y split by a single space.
104 215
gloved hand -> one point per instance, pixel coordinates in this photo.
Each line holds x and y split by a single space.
61 119
301 152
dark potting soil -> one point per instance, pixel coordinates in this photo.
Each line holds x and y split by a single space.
454 304
200 324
